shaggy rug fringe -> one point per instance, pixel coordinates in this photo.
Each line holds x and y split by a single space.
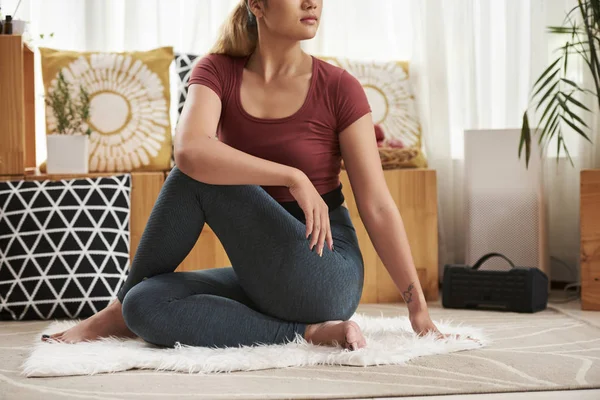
390 340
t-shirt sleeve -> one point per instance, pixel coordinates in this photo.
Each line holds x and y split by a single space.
351 101
206 72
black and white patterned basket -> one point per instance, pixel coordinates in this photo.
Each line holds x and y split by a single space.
64 246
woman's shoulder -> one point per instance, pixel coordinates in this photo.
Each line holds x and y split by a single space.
334 75
329 69
220 61
218 71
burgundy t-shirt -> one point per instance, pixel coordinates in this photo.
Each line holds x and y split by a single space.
307 139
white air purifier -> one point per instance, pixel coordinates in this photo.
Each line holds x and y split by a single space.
505 205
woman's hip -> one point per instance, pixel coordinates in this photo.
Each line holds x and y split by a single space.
294 283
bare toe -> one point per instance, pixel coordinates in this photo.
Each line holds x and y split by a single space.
354 337
57 337
47 337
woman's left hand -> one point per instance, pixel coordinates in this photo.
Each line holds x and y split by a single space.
422 324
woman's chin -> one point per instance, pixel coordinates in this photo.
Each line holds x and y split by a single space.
308 35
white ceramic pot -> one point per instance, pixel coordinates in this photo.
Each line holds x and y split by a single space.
67 154
19 26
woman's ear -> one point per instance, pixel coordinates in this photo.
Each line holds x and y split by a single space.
257 7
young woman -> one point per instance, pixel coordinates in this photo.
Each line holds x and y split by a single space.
270 190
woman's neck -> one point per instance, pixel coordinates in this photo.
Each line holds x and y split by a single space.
276 60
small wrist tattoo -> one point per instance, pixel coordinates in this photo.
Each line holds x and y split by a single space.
407 294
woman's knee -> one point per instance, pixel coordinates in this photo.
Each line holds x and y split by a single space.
179 178
138 307
345 309
334 308
341 304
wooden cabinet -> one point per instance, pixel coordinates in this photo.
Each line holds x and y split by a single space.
589 223
17 106
413 190
415 193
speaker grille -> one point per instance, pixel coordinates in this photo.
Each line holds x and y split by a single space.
469 286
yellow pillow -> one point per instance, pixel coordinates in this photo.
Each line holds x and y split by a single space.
130 101
392 102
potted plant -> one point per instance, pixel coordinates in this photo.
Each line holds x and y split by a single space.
556 95
69 141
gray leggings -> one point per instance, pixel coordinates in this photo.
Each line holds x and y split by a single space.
275 287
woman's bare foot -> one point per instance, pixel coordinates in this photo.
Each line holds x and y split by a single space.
107 322
345 333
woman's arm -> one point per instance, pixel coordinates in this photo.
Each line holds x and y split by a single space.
378 210
200 156
382 219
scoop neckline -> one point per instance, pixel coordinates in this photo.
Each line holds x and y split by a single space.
238 96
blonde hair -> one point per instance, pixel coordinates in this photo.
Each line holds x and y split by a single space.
238 34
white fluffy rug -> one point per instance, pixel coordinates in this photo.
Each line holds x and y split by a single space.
389 341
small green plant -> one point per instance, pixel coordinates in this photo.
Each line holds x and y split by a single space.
33 41
72 113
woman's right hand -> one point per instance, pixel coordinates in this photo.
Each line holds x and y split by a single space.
316 212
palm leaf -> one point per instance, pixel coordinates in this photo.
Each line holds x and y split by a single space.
525 139
577 103
590 34
566 58
548 93
567 153
558 141
564 106
553 128
548 107
558 100
570 82
542 86
575 127
549 123
547 71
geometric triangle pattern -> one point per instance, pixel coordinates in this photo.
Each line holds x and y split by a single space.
184 64
64 246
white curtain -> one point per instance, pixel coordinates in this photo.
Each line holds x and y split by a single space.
380 31
472 63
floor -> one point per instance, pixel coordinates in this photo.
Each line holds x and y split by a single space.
559 395
574 309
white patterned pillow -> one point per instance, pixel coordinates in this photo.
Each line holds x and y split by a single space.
64 246
130 95
389 91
